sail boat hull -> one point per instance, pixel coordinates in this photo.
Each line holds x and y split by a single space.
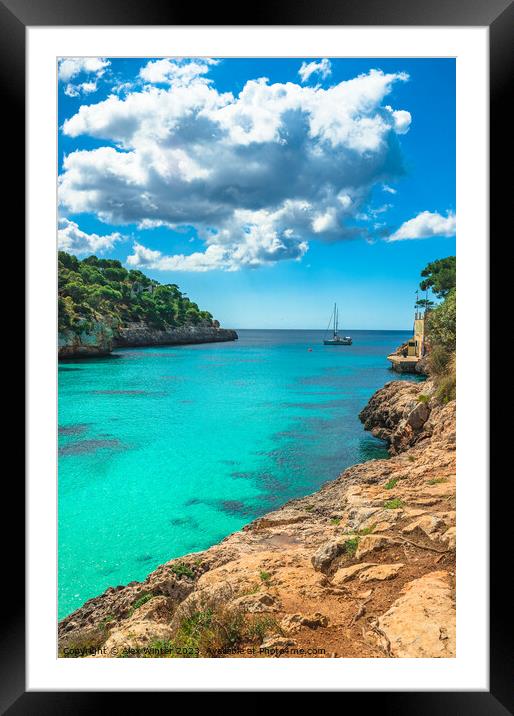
346 341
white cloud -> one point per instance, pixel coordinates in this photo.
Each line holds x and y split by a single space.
401 119
257 175
85 87
388 189
70 67
425 225
250 240
71 91
322 68
75 241
88 87
325 222
173 72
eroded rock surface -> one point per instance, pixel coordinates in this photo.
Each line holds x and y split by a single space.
421 622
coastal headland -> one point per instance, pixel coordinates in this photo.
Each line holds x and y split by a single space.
103 306
364 567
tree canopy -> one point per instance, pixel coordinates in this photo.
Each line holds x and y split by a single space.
96 289
440 276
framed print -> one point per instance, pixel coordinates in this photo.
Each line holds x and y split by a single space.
257 267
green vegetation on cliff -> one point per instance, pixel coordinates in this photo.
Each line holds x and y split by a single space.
440 276
101 289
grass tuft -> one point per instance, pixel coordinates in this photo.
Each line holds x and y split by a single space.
212 631
393 504
181 569
367 530
350 546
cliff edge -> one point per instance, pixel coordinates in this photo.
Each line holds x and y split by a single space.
365 567
102 338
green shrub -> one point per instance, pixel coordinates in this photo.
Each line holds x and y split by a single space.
265 576
350 546
259 627
438 361
142 600
211 632
391 483
106 620
367 530
205 632
181 569
442 323
446 385
393 504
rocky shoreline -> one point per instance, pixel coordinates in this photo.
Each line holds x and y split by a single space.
364 567
102 338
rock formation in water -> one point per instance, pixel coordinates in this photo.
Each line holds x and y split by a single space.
365 567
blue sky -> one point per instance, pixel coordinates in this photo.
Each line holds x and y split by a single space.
265 200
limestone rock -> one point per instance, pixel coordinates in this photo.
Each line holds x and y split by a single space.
95 339
346 573
148 623
293 622
419 416
276 641
421 623
104 335
450 536
370 543
141 334
380 573
325 555
428 524
254 603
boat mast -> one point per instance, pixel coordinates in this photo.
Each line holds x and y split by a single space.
337 322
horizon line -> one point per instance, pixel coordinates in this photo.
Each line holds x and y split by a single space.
324 330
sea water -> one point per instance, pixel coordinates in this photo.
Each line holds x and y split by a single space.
166 450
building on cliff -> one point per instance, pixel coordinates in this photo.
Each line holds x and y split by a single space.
407 357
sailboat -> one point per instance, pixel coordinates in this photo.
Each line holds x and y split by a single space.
336 339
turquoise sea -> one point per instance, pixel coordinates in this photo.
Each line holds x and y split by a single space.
166 450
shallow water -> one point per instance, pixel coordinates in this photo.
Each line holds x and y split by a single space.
166 450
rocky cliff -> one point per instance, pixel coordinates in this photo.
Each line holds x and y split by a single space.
140 334
96 339
102 338
365 567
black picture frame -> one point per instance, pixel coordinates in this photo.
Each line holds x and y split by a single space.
498 15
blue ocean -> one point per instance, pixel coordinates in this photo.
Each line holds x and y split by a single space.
166 450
